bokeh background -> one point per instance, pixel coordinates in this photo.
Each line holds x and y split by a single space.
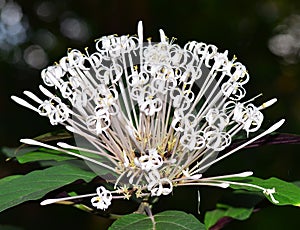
264 35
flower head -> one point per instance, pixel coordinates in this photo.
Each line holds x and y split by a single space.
157 113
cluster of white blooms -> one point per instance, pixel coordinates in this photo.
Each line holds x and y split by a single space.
159 113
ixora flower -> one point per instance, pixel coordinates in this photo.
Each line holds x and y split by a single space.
156 115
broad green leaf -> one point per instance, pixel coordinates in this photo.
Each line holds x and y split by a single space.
13 152
223 211
9 178
285 193
297 183
26 155
168 220
49 157
132 221
42 155
32 186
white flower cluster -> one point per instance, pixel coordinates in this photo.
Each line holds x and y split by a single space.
159 113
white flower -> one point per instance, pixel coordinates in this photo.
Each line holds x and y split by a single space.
157 113
159 186
150 160
103 199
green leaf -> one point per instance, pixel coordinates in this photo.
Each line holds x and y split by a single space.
32 186
132 221
49 157
13 152
25 155
286 193
297 183
212 217
168 220
42 154
9 178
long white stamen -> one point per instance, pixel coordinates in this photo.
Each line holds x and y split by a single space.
268 103
24 103
243 174
37 143
267 192
204 183
33 97
140 32
268 131
162 36
57 200
46 91
67 146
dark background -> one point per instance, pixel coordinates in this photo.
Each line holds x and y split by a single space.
264 35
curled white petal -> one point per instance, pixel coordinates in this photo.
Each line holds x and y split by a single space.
103 199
